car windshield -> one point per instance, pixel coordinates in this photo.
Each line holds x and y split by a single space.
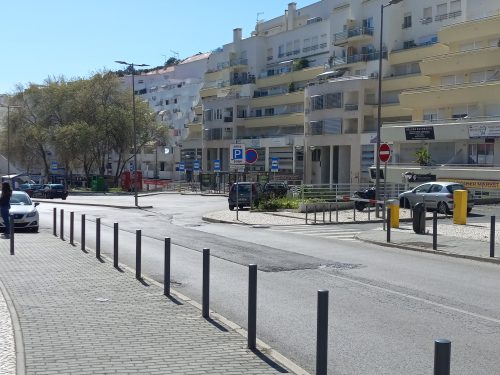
243 188
452 188
20 199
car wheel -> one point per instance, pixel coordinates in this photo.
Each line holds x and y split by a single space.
34 229
443 208
231 207
63 198
469 209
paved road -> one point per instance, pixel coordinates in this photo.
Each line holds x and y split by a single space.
387 306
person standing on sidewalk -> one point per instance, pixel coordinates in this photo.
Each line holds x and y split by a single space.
5 207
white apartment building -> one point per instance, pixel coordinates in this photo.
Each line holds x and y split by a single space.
321 117
173 93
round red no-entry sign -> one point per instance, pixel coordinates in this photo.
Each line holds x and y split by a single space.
384 152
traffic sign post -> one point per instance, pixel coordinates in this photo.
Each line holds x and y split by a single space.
275 164
384 154
237 151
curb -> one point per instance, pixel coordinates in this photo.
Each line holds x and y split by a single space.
436 252
90 204
16 328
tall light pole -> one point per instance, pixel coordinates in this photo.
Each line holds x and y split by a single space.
379 109
132 65
8 133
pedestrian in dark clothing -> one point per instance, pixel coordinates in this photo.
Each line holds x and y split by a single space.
5 207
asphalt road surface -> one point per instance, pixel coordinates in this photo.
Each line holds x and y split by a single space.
387 306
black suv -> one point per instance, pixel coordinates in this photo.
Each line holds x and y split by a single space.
241 193
276 189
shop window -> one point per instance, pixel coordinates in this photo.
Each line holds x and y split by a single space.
481 153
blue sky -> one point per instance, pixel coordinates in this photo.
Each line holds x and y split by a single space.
75 38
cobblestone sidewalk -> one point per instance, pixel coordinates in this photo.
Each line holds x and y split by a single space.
80 316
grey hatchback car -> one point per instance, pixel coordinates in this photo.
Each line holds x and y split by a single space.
436 196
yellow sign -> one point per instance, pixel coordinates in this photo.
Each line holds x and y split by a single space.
475 184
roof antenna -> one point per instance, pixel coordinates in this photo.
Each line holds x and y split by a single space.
258 14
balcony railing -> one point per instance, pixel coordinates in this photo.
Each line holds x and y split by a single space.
351 107
343 36
228 64
426 20
362 57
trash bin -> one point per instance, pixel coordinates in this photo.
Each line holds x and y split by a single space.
419 218
393 205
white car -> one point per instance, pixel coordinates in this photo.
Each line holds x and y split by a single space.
24 211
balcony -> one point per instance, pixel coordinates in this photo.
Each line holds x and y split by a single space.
404 82
277 100
351 107
417 53
479 29
228 64
358 58
290 76
451 95
355 34
477 59
285 119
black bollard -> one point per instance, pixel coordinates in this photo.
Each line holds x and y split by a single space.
54 230
71 227
492 237
206 284
138 251
83 232
322 334
306 213
98 238
61 230
252 306
434 230
442 356
115 245
11 236
166 268
388 225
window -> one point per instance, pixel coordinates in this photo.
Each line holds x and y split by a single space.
409 44
289 48
269 54
407 20
481 153
162 166
207 115
427 16
296 47
218 114
455 8
333 100
307 45
258 113
281 51
175 101
166 102
316 155
442 12
368 23
322 41
269 112
316 102
314 43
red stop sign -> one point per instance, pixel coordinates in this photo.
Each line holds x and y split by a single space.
384 152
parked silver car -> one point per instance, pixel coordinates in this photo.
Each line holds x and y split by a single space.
24 211
435 195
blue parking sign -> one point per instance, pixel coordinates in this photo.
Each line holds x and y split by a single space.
275 164
216 165
237 153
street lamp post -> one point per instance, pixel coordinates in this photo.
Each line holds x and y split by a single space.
8 133
132 65
379 107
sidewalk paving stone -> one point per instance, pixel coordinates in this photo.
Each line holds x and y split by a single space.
78 315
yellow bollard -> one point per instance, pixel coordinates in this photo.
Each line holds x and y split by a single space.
460 207
394 207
